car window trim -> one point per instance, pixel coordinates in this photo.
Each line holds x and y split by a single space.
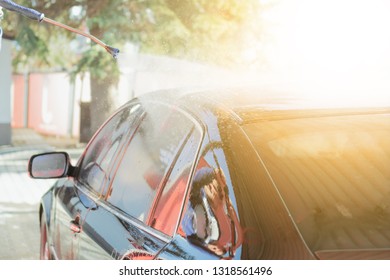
81 159
198 125
121 154
110 169
200 128
164 180
135 222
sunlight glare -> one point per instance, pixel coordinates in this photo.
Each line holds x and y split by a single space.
334 48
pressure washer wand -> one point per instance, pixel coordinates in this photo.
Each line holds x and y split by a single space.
35 15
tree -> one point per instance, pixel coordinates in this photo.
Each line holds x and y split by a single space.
211 31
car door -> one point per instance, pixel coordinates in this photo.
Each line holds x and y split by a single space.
126 224
76 197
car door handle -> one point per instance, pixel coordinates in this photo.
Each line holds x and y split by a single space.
75 226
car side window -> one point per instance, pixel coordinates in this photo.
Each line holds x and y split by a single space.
148 159
167 211
94 168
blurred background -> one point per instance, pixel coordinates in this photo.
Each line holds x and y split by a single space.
59 83
57 88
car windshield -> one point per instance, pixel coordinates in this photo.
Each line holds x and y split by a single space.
333 175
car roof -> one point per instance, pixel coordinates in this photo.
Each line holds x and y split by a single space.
253 104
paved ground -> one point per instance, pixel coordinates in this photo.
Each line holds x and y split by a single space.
20 195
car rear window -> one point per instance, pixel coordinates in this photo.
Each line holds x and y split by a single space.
333 174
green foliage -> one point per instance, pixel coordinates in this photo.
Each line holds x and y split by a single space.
211 31
219 30
32 45
98 64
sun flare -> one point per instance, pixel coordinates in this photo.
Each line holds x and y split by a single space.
334 49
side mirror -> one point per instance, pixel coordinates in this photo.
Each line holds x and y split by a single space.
49 165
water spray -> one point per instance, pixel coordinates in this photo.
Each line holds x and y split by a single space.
38 16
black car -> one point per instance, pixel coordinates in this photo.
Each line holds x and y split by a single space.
223 174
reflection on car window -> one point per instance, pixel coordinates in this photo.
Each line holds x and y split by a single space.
94 168
210 220
147 160
166 214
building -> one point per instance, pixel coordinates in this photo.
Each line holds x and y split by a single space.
5 91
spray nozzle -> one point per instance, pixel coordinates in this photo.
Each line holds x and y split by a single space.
113 51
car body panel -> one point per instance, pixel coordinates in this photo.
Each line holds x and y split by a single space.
109 235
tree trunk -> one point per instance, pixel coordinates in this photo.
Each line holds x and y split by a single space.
103 86
102 101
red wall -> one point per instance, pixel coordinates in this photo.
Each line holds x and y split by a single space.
17 119
35 100
49 99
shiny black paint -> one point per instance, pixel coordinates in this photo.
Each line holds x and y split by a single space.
104 234
270 231
107 234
